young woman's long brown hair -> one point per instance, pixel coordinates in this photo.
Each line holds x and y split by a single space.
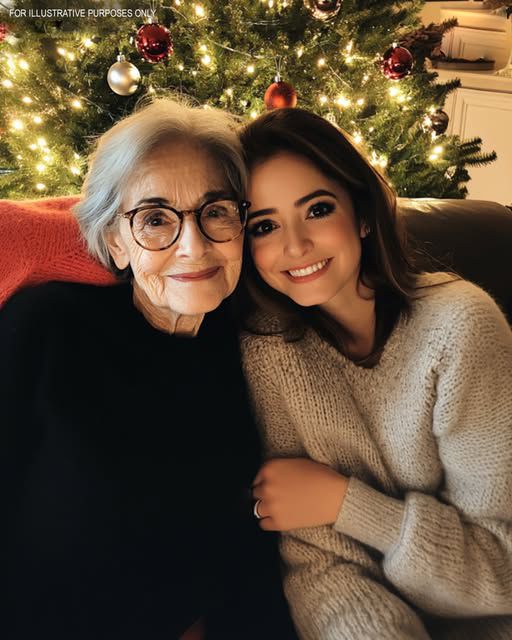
385 267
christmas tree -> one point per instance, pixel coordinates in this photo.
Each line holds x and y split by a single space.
359 63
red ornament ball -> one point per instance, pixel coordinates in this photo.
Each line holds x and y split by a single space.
154 42
280 95
397 63
3 31
323 9
439 121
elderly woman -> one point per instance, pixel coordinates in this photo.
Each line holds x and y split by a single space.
128 448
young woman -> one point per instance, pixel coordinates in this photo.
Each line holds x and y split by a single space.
385 401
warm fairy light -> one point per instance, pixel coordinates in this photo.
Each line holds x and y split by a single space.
76 156
365 78
323 99
270 3
371 129
250 68
76 104
360 101
349 46
88 43
75 171
300 52
358 138
199 9
10 64
70 56
32 146
342 101
23 64
7 84
393 91
41 142
26 100
254 115
41 167
37 119
194 73
40 186
19 156
203 48
206 60
47 159
177 3
439 149
321 62
433 156
17 125
383 162
431 109
181 67
61 51
229 92
349 59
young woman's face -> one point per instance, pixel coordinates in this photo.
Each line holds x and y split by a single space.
302 231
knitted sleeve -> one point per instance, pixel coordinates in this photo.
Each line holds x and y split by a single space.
331 582
451 554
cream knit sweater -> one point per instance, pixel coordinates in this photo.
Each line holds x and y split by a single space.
422 546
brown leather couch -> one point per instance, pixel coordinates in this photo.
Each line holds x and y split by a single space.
470 237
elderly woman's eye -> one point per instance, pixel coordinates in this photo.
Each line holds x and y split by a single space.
155 219
320 209
262 228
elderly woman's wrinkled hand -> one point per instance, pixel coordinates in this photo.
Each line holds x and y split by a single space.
293 493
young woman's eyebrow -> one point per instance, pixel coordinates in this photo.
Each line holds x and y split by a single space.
297 203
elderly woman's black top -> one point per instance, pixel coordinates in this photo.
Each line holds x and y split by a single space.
127 456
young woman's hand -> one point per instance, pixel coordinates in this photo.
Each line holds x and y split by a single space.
297 492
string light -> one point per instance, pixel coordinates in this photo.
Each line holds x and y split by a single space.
7 83
75 171
61 51
76 156
41 167
17 124
40 186
32 146
342 101
300 52
394 91
181 67
229 92
76 104
200 12
323 99
254 115
206 60
358 138
360 101
250 68
88 43
203 48
321 62
23 64
41 142
26 100
37 119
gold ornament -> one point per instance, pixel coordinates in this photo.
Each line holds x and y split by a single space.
123 77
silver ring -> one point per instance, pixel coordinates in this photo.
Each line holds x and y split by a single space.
255 510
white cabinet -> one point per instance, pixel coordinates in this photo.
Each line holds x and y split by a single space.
482 107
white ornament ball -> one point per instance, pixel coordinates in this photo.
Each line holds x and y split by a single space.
123 77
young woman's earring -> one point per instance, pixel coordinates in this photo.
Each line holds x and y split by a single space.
365 230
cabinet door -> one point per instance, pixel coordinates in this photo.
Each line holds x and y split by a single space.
488 115
475 43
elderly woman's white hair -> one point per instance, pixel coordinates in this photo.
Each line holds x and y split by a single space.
122 148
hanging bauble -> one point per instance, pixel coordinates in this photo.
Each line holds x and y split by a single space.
154 42
3 31
323 9
123 77
437 121
280 95
396 63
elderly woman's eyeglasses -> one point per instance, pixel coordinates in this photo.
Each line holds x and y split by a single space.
156 227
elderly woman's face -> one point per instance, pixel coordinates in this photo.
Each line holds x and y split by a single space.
194 274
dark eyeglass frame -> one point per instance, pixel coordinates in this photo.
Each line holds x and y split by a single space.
242 205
